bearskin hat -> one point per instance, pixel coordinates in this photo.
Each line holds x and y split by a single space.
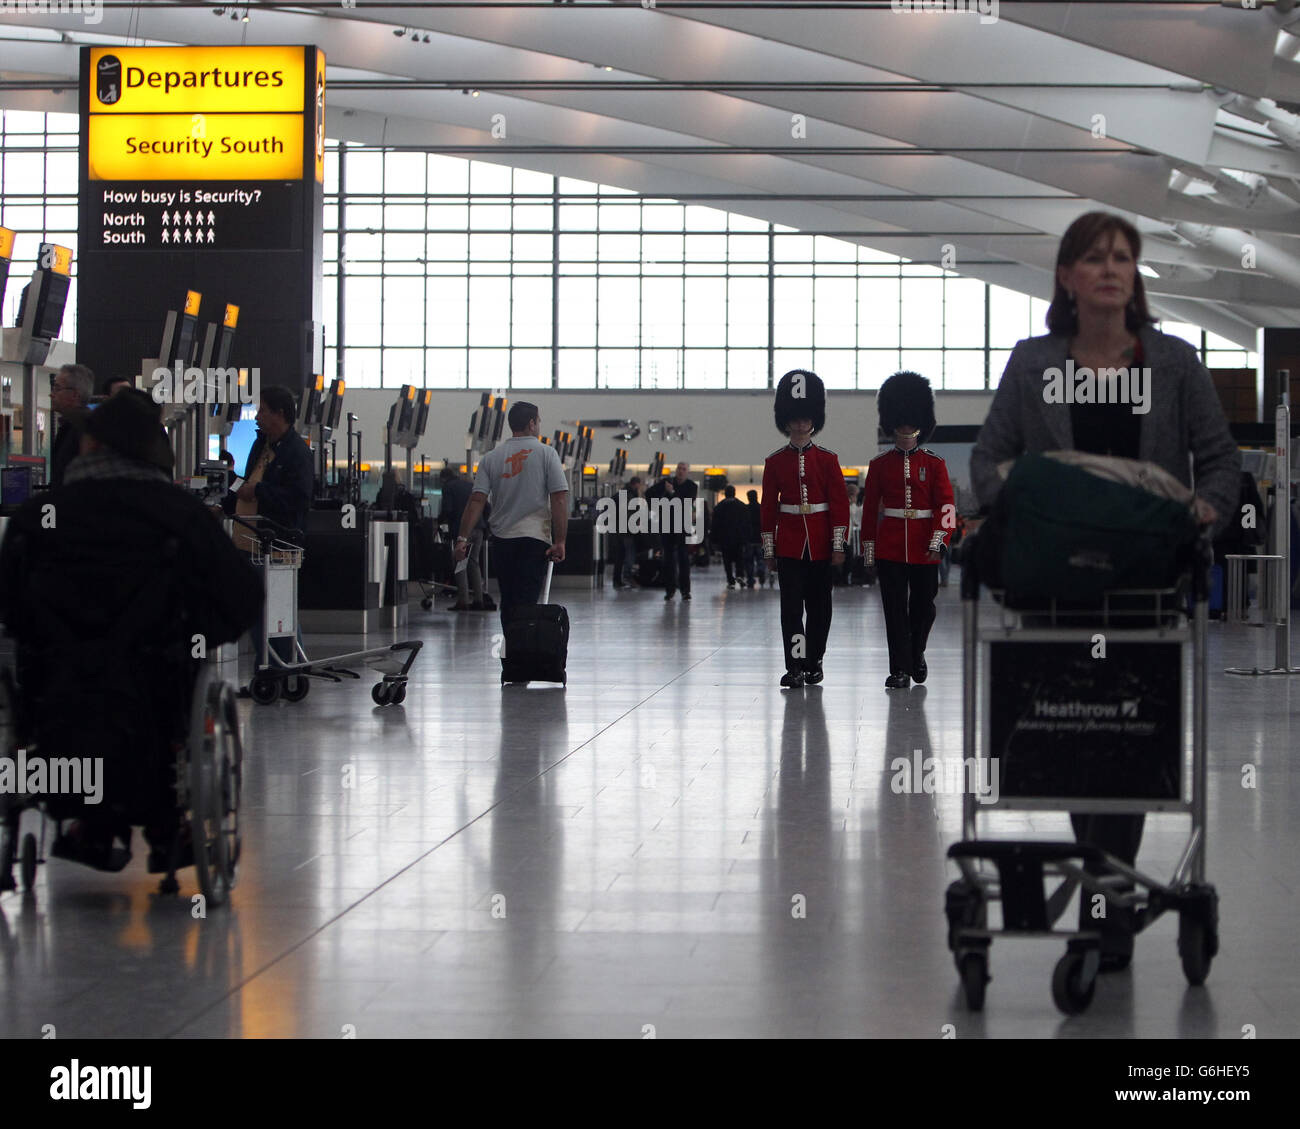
906 398
800 395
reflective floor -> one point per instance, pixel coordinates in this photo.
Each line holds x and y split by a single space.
671 844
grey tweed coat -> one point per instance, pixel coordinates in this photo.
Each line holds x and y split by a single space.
1185 431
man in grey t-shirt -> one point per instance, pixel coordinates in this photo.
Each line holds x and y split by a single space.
530 508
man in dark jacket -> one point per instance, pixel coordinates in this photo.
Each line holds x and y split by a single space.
117 562
677 554
730 532
70 391
288 479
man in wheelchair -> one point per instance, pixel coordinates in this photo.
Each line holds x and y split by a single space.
114 586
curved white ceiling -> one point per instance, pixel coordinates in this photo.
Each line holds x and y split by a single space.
1180 116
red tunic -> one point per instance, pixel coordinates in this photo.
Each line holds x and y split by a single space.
794 478
906 481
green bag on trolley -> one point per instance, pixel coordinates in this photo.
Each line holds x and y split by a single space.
1071 526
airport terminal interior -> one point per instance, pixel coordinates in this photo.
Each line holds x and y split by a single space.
402 237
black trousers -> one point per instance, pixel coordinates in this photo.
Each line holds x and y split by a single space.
520 567
677 562
907 594
1121 836
805 609
736 562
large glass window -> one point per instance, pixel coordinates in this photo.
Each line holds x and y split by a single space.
465 273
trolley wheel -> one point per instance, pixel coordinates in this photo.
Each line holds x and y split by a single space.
216 778
381 693
264 689
965 907
426 603
974 969
296 687
27 863
1070 993
399 694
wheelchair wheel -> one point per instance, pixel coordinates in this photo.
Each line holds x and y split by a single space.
426 603
381 693
296 687
216 779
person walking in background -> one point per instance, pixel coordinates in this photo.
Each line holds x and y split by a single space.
70 390
907 512
1099 319
677 554
469 580
805 522
624 544
755 568
730 532
530 508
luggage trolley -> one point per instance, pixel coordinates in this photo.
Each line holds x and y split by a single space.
1071 732
280 559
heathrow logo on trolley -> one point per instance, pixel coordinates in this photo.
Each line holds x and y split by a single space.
656 515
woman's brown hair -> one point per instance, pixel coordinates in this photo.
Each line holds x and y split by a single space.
1078 240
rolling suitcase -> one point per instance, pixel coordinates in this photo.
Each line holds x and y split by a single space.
536 640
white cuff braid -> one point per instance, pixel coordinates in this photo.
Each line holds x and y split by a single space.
769 544
837 538
936 540
869 552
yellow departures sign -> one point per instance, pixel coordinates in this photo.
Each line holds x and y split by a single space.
196 113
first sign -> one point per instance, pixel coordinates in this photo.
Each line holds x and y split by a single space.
197 80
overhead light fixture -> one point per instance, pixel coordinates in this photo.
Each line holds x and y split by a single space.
473 93
218 12
245 17
426 39
399 32
607 68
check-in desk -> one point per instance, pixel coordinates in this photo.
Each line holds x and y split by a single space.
584 562
354 579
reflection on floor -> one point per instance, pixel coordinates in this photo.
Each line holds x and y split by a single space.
672 845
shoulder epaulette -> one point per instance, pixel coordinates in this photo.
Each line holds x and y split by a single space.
932 454
778 451
883 454
825 449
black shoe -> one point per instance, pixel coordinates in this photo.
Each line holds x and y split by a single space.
749 584
489 605
731 584
813 674
919 670
244 692
897 682
670 595
792 679
686 595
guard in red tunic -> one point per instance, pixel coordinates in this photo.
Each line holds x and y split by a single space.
907 516
805 521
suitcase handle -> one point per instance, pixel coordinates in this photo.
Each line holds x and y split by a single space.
546 588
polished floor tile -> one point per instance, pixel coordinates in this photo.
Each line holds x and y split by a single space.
671 846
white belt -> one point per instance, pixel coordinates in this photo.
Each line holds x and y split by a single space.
806 508
908 513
